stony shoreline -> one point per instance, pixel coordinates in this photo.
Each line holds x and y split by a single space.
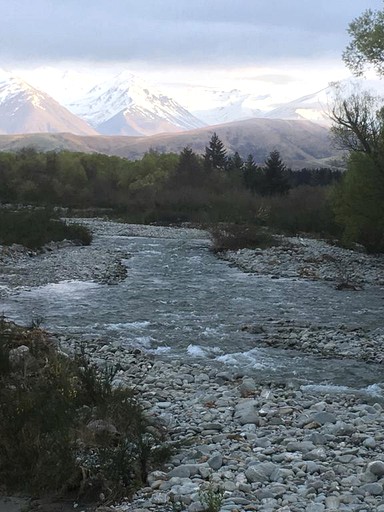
268 447
307 258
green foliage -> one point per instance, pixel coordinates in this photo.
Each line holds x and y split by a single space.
233 237
275 179
253 176
367 43
160 188
359 202
304 209
63 427
235 163
215 154
212 498
35 227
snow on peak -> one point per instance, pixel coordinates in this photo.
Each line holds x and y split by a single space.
126 93
14 89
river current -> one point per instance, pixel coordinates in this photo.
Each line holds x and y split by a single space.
179 300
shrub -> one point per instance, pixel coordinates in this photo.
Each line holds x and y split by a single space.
212 498
304 209
34 228
231 237
63 427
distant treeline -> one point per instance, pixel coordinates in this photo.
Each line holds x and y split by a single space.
95 180
174 188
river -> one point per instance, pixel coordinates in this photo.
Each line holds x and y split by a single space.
179 300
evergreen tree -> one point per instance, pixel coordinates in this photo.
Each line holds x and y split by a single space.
189 162
235 163
215 154
275 175
188 170
252 175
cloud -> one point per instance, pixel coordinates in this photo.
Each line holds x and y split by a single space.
176 32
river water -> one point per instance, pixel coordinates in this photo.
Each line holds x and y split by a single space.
179 300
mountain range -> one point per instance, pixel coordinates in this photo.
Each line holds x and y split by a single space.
127 105
126 116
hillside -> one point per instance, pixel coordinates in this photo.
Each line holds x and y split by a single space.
301 143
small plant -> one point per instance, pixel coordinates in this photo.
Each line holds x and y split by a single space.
36 322
212 498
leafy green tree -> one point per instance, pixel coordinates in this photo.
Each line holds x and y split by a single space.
366 47
275 175
215 154
359 202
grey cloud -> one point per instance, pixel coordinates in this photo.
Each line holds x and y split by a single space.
176 32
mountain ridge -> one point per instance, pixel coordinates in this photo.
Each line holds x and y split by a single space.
25 109
127 105
301 143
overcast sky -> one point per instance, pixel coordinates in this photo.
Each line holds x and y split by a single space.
277 42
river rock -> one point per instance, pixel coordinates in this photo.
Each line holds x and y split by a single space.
260 472
247 412
376 468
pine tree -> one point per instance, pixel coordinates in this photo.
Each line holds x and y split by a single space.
275 175
189 162
235 163
215 154
252 175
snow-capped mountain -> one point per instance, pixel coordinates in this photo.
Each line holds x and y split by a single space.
313 107
227 106
127 105
24 109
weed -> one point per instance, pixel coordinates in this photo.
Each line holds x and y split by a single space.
212 498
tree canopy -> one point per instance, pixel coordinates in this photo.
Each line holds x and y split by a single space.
366 47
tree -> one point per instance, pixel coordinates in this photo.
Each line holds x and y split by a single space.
235 163
189 163
188 171
359 198
359 204
359 121
275 177
252 175
215 154
367 45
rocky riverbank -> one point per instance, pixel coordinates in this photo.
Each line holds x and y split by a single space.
255 446
264 447
307 258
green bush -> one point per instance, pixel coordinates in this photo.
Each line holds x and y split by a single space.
358 202
304 209
63 427
34 228
231 237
